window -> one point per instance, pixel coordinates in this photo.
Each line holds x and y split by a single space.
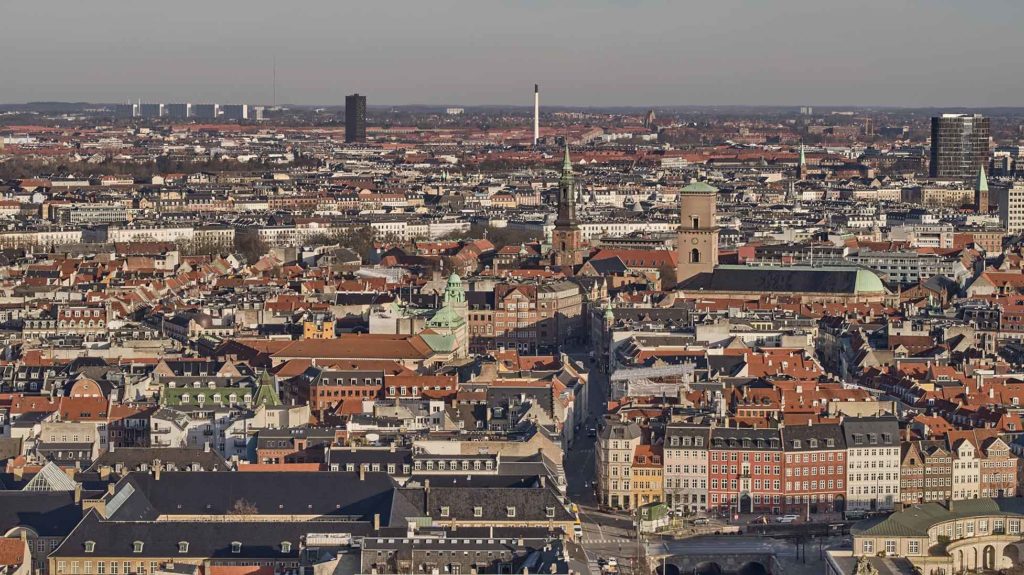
182 546
510 511
914 547
869 546
694 256
90 546
890 546
445 511
236 546
478 511
286 547
137 546
549 512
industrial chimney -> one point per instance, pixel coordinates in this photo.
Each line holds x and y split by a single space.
536 113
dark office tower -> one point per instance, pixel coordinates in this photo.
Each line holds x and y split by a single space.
355 118
960 146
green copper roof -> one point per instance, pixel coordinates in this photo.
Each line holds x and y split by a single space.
699 188
982 185
439 343
803 159
868 282
267 396
915 521
446 317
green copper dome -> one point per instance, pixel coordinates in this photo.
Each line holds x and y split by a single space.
699 188
868 282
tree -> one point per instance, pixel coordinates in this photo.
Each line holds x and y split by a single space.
360 240
249 243
243 507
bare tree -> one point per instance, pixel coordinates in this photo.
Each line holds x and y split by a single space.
243 507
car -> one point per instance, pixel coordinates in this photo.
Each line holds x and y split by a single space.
701 521
612 562
577 531
601 562
592 432
786 519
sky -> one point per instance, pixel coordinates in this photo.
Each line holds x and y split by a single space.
962 53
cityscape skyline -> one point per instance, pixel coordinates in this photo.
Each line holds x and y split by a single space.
587 54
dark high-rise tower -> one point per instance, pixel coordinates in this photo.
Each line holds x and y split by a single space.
960 146
567 237
355 118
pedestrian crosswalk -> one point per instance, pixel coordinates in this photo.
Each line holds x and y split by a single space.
607 541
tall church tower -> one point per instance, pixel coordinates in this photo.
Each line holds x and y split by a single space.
697 241
567 237
981 201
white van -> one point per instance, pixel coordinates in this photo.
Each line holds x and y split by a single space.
786 519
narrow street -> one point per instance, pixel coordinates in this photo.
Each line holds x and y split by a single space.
605 535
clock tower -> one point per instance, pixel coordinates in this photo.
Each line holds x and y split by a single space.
697 241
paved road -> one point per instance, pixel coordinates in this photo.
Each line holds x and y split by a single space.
605 535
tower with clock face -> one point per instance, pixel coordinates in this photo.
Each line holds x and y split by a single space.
697 241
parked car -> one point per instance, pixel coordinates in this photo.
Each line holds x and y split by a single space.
786 519
701 521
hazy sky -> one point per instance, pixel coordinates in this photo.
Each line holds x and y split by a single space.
582 52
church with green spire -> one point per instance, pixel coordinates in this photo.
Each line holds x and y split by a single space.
566 238
981 198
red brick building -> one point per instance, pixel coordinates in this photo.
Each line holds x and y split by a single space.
745 471
815 469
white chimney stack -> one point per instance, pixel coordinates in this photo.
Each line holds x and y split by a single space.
536 113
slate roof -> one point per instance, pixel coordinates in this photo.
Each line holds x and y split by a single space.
530 504
259 539
822 434
329 494
49 514
866 432
181 457
835 280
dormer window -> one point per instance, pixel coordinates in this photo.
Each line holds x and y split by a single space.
796 444
286 547
510 511
446 511
137 546
549 512
478 511
182 546
236 546
813 443
90 546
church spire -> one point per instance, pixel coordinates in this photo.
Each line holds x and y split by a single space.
981 200
801 168
567 176
566 237
566 193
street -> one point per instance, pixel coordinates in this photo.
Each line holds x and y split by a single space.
605 535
